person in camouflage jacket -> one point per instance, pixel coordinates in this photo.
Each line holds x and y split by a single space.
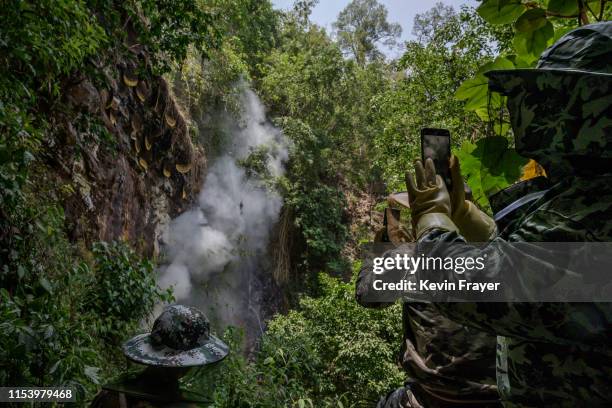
448 365
548 354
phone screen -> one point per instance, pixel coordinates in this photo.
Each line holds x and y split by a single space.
435 144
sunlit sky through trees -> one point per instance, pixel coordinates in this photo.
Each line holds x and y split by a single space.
400 11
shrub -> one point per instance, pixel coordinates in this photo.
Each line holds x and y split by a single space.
329 352
57 328
336 347
124 290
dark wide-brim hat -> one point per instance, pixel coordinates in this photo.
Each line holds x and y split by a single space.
584 51
180 338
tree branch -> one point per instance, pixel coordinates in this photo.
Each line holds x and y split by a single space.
582 18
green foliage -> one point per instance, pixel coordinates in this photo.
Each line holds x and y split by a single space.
489 107
125 288
501 11
361 25
210 82
39 43
564 8
239 382
167 28
432 70
536 25
529 43
55 310
256 163
303 79
42 43
44 343
19 139
53 318
319 208
489 166
531 20
329 352
43 39
310 90
357 346
252 26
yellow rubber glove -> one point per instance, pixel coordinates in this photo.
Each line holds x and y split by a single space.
429 199
474 225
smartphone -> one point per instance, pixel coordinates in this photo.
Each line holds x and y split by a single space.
435 144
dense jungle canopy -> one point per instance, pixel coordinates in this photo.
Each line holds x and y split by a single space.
74 285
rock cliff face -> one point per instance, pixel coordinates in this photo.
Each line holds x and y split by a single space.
122 149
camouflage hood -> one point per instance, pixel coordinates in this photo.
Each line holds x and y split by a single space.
180 338
561 111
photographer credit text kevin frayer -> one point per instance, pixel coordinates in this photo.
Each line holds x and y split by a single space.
409 265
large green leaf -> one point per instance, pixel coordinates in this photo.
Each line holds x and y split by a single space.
491 114
530 45
531 20
489 165
520 61
500 11
471 88
564 8
497 64
470 170
475 90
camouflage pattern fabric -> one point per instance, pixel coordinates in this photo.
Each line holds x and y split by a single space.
413 395
449 361
580 128
554 354
400 398
507 198
180 338
560 112
549 354
584 49
454 365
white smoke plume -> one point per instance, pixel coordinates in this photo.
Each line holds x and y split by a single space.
218 250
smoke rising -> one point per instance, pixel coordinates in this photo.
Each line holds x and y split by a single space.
218 250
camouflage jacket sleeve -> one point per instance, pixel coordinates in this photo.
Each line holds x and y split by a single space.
562 323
